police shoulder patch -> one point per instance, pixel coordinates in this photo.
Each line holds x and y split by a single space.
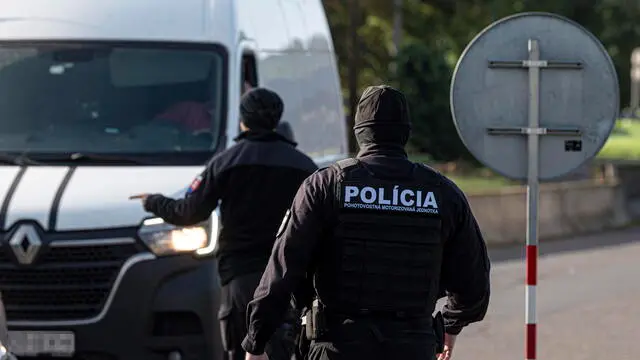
285 222
195 184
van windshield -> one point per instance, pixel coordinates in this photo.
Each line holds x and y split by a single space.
156 102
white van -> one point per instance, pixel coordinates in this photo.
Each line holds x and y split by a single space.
100 100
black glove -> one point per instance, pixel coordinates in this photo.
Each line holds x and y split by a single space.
284 342
438 329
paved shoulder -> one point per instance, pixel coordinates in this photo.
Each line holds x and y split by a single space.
588 296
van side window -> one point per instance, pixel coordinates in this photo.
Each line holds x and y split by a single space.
249 71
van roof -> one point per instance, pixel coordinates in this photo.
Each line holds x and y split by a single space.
146 20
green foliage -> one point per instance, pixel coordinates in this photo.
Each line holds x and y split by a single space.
624 142
424 75
441 29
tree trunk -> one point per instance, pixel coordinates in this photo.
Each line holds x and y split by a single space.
354 55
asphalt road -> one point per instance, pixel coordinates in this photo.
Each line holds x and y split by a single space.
588 302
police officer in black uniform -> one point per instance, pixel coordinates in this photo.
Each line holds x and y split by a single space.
255 182
379 237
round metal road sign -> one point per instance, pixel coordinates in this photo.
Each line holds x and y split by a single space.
534 74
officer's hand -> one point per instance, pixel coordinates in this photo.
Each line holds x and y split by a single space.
256 357
142 197
449 342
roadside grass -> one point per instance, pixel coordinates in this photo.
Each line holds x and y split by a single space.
475 184
469 180
624 142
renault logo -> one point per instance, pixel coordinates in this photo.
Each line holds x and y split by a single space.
25 243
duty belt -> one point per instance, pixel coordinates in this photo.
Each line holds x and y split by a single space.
382 314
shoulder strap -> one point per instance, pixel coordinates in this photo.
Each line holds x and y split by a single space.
431 171
341 168
425 166
346 163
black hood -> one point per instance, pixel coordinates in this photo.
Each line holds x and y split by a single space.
382 119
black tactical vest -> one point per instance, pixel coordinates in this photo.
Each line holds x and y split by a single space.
386 250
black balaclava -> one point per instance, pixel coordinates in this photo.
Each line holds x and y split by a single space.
261 109
382 119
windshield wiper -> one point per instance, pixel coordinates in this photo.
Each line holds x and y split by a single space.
99 158
24 160
18 160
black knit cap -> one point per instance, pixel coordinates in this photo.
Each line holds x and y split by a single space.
261 109
382 116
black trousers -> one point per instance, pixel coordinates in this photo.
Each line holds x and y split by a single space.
4 335
354 339
236 295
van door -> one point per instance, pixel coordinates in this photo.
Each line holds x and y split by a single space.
244 70
322 101
283 71
249 70
296 28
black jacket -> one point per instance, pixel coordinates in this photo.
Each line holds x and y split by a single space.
255 182
465 269
4 332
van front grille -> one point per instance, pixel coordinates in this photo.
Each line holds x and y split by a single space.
67 282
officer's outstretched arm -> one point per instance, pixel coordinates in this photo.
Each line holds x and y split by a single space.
465 270
201 199
296 241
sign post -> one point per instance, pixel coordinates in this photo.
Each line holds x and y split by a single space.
635 80
534 127
533 131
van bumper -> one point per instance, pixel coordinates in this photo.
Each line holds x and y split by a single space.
161 306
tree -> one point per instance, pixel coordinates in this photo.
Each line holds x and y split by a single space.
445 27
424 76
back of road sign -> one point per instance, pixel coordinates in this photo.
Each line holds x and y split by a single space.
578 99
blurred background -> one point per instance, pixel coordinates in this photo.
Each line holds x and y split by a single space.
588 286
415 44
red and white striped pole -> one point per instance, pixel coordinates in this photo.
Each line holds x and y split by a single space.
533 191
530 294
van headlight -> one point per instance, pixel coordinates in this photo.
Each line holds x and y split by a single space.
5 354
166 239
